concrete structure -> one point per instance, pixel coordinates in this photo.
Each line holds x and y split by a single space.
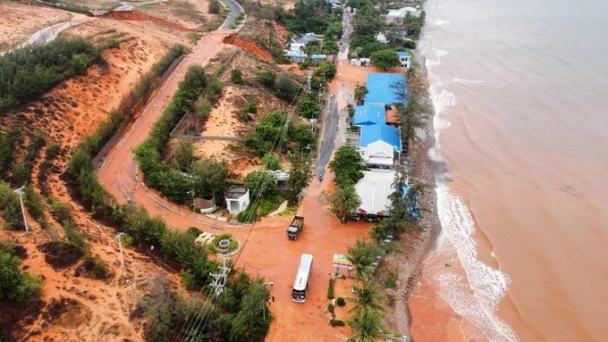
381 37
237 199
204 206
396 16
405 58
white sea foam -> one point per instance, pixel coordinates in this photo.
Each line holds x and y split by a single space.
440 22
465 81
476 298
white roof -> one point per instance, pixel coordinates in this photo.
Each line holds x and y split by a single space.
374 189
379 153
402 12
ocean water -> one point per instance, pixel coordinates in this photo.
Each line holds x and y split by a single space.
520 90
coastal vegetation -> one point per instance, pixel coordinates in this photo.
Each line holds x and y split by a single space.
28 72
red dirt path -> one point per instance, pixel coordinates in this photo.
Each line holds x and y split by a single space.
139 16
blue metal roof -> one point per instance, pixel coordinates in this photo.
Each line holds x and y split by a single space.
295 54
380 131
403 54
318 56
380 90
369 114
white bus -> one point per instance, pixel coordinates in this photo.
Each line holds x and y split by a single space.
300 287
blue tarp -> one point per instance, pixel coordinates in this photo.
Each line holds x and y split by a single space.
412 209
369 115
380 90
380 131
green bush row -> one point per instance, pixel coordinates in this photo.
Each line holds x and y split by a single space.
28 72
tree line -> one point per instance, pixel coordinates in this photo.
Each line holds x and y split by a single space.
28 72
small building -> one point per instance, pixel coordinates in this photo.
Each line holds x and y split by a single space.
381 37
204 206
404 58
237 199
318 58
396 16
296 56
374 189
378 155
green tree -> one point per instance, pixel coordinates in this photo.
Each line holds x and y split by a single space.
385 59
362 255
253 319
360 92
414 107
343 200
305 139
308 108
260 183
347 165
209 178
300 175
367 325
367 298
215 7
184 154
272 161
286 88
327 70
236 75
267 78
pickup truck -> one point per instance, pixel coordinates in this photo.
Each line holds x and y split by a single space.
295 227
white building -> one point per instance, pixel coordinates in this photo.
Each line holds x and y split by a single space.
374 189
405 59
237 199
396 16
378 154
382 38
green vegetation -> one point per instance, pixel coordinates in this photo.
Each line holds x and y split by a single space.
28 72
308 108
236 76
340 301
17 286
330 289
347 165
300 175
336 323
269 134
271 203
343 200
272 161
215 7
385 59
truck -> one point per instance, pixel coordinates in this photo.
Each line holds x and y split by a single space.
295 227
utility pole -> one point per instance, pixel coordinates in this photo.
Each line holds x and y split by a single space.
20 193
122 258
309 78
192 192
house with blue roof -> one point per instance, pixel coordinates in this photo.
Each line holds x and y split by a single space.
380 88
381 131
405 58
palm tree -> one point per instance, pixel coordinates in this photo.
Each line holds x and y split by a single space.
367 298
361 257
368 326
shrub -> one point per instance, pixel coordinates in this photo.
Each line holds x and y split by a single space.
248 215
272 161
340 301
330 290
215 7
203 107
330 308
336 322
267 78
236 75
271 203
96 267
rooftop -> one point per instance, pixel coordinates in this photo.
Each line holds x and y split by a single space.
368 114
374 189
380 90
380 131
